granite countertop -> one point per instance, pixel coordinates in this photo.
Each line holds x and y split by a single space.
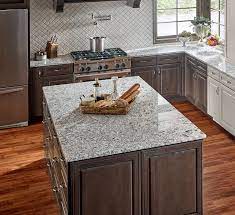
152 122
209 55
63 59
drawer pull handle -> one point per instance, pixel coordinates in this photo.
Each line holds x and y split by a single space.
229 82
3 92
48 164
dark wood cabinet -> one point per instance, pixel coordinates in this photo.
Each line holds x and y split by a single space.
46 76
14 4
172 182
196 83
170 76
162 72
201 92
190 81
107 186
163 181
149 74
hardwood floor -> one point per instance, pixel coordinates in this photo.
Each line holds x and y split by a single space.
25 187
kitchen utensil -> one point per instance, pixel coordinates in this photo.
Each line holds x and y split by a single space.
100 44
97 44
40 55
93 44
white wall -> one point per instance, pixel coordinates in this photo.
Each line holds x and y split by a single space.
129 28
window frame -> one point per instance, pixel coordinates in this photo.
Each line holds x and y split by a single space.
171 38
219 11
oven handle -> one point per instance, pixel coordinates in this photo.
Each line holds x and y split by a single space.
104 75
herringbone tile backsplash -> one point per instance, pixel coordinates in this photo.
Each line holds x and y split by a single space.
129 28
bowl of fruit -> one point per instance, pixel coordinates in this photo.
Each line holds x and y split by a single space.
213 40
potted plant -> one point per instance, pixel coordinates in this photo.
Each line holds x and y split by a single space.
201 27
184 37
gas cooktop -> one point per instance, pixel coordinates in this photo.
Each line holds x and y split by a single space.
106 54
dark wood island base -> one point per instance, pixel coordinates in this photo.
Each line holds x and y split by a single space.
160 181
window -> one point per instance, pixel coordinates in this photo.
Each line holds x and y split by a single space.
217 18
171 17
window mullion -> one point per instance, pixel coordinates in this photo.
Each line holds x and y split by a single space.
177 18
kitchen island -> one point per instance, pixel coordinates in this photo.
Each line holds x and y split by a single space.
146 162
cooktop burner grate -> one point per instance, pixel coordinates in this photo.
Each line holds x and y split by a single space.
107 54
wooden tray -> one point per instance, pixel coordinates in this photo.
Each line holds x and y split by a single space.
119 108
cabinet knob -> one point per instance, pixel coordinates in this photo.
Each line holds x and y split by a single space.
39 74
217 91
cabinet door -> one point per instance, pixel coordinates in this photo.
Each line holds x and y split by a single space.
146 73
106 186
201 92
227 109
190 82
37 81
213 95
170 79
35 93
171 183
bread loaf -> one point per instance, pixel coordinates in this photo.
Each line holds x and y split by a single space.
129 92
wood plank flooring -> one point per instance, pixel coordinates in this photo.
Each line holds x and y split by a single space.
25 188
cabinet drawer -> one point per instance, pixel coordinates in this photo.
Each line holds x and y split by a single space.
169 59
228 81
57 70
143 61
57 80
213 73
13 105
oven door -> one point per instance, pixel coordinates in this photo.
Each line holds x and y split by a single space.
101 75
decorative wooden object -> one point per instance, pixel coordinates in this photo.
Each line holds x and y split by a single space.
52 49
108 107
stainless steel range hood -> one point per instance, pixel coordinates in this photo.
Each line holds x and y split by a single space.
59 4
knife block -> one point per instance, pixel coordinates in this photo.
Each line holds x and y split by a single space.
52 50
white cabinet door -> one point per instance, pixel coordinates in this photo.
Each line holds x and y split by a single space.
213 98
228 109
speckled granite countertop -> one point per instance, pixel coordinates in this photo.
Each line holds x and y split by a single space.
209 55
63 59
152 122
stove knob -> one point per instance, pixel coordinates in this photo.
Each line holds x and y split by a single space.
100 67
106 67
82 69
117 65
88 69
123 65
